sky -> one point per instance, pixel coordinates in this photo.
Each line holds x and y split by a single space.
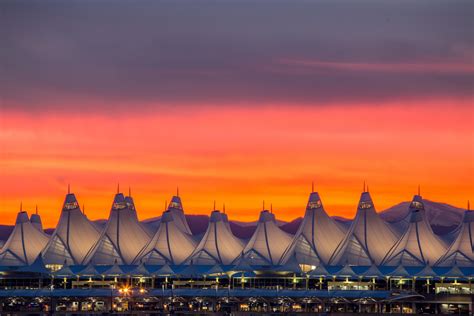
234 101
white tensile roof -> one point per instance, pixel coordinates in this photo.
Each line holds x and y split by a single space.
218 245
35 219
461 251
176 209
317 237
131 205
268 242
24 244
169 245
123 237
225 218
368 239
73 237
418 246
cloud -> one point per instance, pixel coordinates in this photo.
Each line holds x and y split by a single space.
107 56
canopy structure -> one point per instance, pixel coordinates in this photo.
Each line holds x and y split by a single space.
373 272
123 237
131 205
461 251
225 218
368 239
399 272
317 237
418 246
268 242
35 219
73 237
218 244
169 245
24 244
176 209
319 271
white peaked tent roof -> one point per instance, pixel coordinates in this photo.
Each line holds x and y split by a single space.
399 272
291 265
461 250
89 270
131 205
123 237
218 245
225 218
368 239
373 272
24 244
73 237
114 270
346 272
418 246
170 244
141 269
317 237
164 271
37 266
176 209
242 265
35 219
426 273
454 272
268 242
215 270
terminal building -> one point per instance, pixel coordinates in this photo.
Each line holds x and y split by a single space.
126 266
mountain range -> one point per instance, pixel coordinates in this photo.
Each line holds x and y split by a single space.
443 218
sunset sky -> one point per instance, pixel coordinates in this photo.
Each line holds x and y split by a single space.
234 101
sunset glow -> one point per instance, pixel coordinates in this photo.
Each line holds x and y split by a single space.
241 103
238 156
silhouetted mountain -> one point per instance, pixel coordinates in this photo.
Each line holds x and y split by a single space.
292 227
5 231
444 219
242 232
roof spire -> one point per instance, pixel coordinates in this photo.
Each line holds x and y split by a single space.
271 208
312 187
367 188
263 205
129 191
118 187
177 191
36 209
468 206
363 190
68 188
419 190
21 206
214 205
166 204
223 208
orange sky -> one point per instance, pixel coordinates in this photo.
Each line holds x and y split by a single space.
239 155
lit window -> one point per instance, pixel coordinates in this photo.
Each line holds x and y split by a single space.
175 205
365 205
417 205
71 205
119 206
130 206
313 205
